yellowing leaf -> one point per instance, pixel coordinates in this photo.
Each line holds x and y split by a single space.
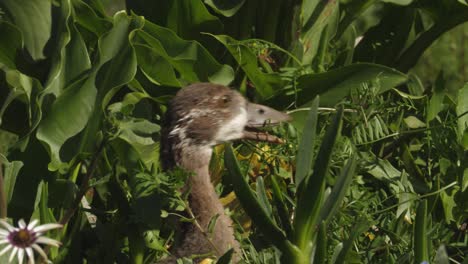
413 122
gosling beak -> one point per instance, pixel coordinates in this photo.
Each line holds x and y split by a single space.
262 116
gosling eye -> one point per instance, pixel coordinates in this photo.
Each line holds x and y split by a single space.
261 111
226 99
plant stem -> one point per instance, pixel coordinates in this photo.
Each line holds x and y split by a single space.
3 203
84 186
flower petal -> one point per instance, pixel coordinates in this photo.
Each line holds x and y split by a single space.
4 250
22 224
4 232
7 225
30 253
32 224
20 255
48 241
46 227
13 254
4 241
40 251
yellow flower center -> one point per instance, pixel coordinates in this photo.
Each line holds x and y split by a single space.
22 238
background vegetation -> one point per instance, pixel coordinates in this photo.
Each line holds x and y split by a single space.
375 165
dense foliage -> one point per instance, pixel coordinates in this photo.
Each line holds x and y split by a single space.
374 168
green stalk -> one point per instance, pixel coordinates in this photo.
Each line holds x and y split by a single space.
3 203
420 239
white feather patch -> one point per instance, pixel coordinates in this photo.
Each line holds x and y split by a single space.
234 128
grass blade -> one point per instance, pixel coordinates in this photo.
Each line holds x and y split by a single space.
321 245
420 239
336 196
262 196
281 206
310 197
306 148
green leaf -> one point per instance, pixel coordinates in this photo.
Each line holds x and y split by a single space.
33 18
321 245
334 85
23 89
61 193
446 15
436 103
465 180
448 203
462 112
384 42
306 147
281 206
10 42
190 59
266 84
70 57
420 239
9 176
317 16
225 8
186 18
414 123
263 198
310 195
399 2
42 212
358 228
86 16
338 192
441 256
116 66
226 258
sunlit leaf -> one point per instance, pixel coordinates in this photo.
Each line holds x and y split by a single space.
266 84
334 85
226 8
10 42
33 18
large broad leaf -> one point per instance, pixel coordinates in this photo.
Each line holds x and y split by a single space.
334 85
266 84
320 22
162 54
81 98
137 132
446 15
10 42
33 18
9 176
33 171
186 18
225 8
383 43
17 114
70 58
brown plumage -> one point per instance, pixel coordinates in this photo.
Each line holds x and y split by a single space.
199 117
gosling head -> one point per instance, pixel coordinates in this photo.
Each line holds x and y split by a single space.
202 115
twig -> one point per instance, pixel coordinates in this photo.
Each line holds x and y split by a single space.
262 136
84 187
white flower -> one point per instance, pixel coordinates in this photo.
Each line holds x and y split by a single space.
23 239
